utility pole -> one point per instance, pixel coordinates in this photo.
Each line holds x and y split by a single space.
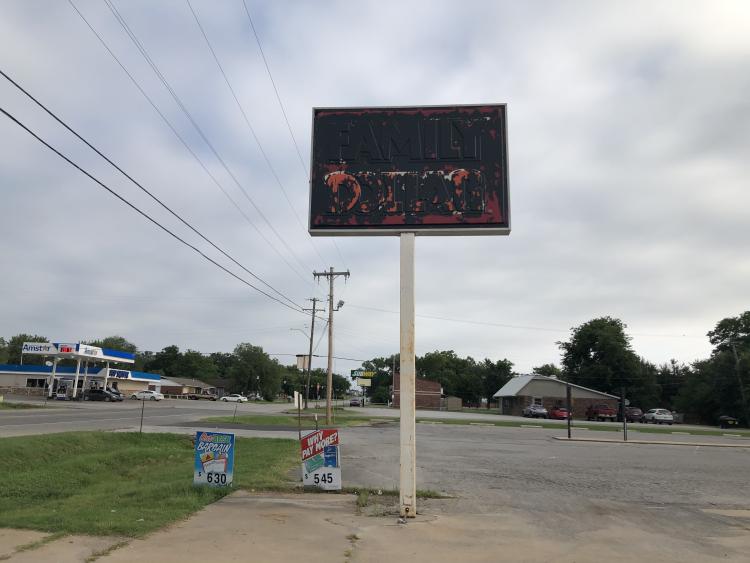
309 357
331 275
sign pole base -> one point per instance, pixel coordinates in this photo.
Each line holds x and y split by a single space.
408 431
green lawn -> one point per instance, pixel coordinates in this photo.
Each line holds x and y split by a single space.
340 419
646 428
11 406
121 483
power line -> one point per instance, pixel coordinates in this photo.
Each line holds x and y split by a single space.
305 169
144 52
145 190
275 89
520 327
251 128
143 213
184 143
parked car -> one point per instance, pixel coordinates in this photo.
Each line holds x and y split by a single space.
658 416
726 421
633 414
116 393
202 396
559 413
147 396
101 395
535 411
354 402
601 412
234 398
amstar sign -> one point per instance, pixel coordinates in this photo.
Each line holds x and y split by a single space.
429 170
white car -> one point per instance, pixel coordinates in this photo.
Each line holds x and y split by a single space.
658 416
147 396
235 398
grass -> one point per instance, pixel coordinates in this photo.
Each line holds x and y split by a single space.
123 484
588 426
11 406
340 419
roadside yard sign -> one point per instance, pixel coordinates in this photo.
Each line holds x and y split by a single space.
406 171
214 459
321 462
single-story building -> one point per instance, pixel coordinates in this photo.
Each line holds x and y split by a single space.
32 379
185 386
524 390
428 393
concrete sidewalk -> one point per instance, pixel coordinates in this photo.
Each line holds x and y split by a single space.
324 528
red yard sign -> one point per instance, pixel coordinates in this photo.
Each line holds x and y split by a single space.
315 442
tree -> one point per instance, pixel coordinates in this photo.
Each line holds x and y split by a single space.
115 343
550 370
164 362
15 344
256 372
194 365
731 356
494 376
599 356
3 351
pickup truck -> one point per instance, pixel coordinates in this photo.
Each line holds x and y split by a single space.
601 412
204 396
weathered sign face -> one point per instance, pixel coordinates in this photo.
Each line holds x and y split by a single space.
429 170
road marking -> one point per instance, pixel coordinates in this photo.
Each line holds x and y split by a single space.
480 424
733 435
683 433
532 426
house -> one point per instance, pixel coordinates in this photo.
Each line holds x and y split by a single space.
185 386
428 393
524 390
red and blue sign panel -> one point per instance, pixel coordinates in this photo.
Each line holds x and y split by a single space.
214 459
430 170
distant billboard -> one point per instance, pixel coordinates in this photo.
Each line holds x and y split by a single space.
431 170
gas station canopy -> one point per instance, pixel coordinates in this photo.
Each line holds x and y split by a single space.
76 351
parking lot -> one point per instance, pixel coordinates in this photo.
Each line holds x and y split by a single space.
677 502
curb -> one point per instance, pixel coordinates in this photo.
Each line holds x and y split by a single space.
654 442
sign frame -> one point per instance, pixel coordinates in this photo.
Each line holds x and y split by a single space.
208 471
321 459
452 229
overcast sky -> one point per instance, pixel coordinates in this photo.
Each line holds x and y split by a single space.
629 140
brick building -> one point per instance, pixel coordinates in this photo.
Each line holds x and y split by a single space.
428 393
524 390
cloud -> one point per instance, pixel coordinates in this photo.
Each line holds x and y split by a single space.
628 132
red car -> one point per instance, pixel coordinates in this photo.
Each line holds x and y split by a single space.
559 413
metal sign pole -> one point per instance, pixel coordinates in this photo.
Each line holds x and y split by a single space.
408 470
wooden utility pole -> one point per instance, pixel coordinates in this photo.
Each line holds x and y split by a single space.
309 357
331 275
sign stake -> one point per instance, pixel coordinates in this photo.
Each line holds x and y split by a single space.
143 406
408 469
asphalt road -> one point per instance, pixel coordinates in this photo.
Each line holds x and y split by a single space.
68 416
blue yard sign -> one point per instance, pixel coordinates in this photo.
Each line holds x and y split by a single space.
214 459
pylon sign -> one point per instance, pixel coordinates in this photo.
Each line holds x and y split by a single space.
430 170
